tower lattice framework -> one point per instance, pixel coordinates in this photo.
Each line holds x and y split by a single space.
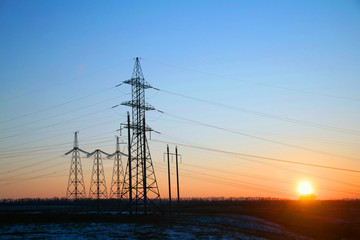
98 185
76 187
118 172
144 186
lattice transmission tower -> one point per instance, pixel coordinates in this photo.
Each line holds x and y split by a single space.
98 185
76 187
118 172
140 184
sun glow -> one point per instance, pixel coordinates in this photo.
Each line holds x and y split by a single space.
305 188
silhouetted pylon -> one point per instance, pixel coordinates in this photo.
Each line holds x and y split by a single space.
118 172
98 184
76 187
140 184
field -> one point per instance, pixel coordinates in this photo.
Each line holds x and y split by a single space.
197 218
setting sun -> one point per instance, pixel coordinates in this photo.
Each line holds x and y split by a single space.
305 188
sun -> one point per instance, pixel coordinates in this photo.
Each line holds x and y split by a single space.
304 188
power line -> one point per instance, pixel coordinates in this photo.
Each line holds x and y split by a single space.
58 135
67 81
228 182
262 157
275 166
281 118
10 178
33 164
335 180
57 105
257 83
54 124
264 178
31 150
35 177
61 114
328 141
260 138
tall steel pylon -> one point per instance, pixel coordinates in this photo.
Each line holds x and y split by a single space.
118 172
98 185
76 187
142 181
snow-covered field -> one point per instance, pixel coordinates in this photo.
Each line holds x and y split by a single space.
186 226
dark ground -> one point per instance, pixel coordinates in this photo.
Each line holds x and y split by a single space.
215 219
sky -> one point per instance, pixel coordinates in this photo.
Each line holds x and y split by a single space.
276 79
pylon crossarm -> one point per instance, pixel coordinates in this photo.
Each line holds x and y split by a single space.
113 154
85 152
97 150
104 153
146 107
124 154
136 82
138 127
70 151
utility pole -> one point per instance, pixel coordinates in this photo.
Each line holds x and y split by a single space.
144 167
168 162
177 179
140 180
98 177
76 186
129 164
168 154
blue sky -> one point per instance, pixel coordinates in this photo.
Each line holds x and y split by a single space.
275 57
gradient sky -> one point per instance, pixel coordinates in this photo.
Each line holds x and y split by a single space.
60 61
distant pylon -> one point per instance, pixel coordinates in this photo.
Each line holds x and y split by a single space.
118 172
76 187
142 183
98 185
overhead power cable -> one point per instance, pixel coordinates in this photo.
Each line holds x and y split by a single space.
57 105
66 133
260 138
227 182
257 113
47 175
54 124
33 171
262 157
61 114
265 178
257 83
67 81
271 164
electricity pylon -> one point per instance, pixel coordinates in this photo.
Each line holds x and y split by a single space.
76 186
140 184
98 185
118 172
